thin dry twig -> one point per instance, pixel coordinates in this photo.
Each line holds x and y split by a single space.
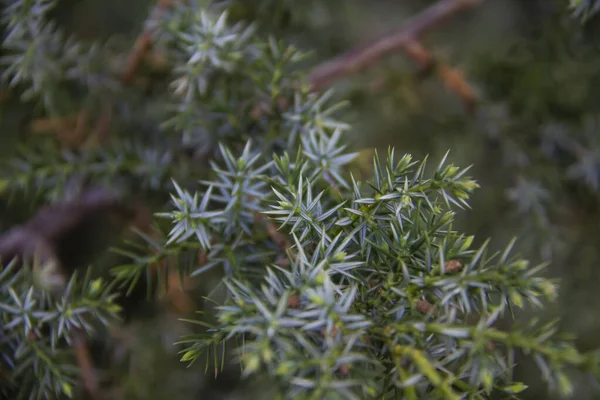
366 56
284 244
51 223
141 47
100 132
452 78
86 365
71 130
67 129
176 290
279 239
142 44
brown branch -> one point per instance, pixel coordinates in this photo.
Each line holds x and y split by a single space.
177 292
284 244
70 130
100 132
452 78
84 361
51 223
364 57
142 44
141 47
278 238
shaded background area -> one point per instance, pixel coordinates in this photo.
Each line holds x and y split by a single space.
533 140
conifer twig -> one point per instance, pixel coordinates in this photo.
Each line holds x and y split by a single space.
140 48
84 361
363 57
70 130
284 244
452 78
100 131
53 222
142 44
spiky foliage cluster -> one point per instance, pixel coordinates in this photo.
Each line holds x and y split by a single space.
224 83
380 297
39 329
328 287
46 65
585 9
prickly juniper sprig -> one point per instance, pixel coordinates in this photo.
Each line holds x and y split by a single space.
380 295
39 327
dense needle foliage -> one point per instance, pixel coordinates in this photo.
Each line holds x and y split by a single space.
327 277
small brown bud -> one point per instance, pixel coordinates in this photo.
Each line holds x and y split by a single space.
334 330
282 103
453 266
294 301
344 369
283 261
423 306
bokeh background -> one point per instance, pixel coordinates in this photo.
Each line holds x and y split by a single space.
533 140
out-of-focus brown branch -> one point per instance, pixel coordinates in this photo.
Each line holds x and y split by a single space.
53 222
142 45
100 132
84 361
452 78
281 240
140 48
176 290
71 130
402 39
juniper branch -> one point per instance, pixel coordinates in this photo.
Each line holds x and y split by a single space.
405 37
